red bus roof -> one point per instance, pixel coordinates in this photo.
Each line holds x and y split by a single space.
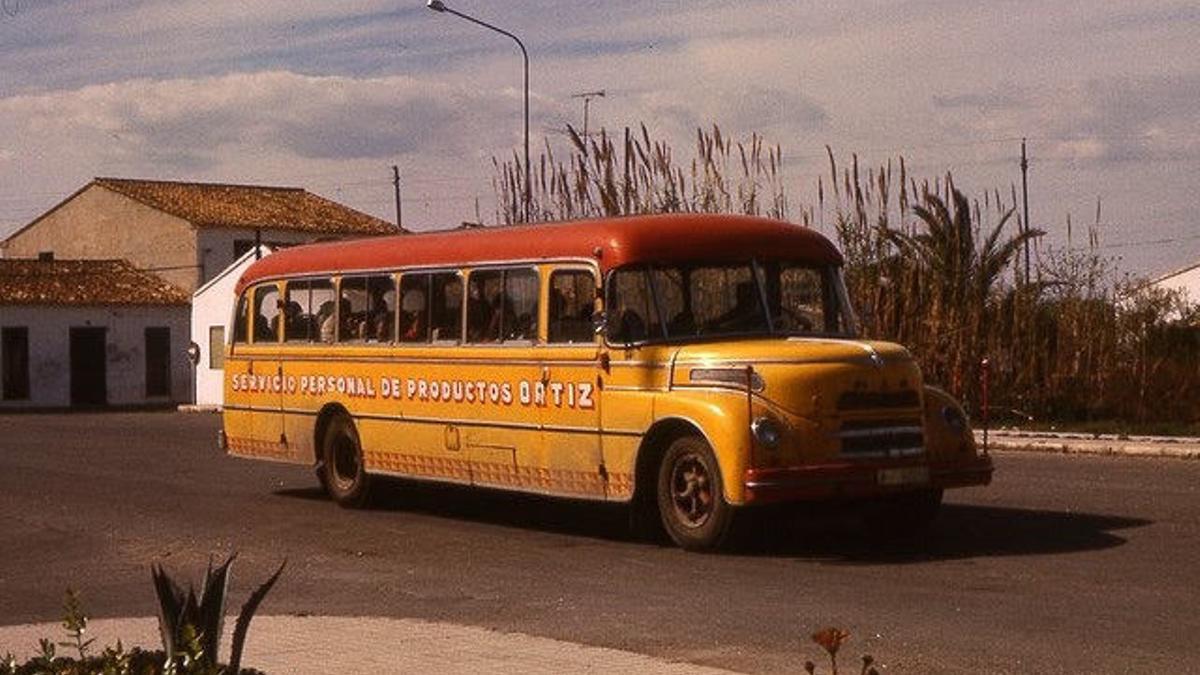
612 242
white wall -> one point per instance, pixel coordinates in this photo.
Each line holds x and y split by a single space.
215 245
50 354
212 305
1187 281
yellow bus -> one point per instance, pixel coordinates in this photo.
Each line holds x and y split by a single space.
688 365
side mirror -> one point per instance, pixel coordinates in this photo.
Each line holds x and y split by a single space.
599 321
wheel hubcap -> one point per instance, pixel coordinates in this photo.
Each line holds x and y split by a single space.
691 491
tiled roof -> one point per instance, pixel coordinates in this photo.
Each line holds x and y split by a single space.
248 206
83 282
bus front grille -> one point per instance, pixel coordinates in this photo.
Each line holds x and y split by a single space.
871 400
882 438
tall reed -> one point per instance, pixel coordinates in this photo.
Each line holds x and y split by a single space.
926 266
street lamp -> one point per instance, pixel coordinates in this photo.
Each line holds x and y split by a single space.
439 6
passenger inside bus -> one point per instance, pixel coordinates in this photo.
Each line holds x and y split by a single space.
295 322
327 320
414 320
745 315
378 322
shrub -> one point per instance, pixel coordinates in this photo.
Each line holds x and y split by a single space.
190 626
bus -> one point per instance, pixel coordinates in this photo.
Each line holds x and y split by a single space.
689 365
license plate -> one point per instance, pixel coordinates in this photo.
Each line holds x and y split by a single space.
904 475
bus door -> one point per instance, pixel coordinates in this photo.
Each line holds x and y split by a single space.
500 435
634 372
566 393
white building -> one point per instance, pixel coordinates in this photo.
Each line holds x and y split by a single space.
212 306
90 333
1186 280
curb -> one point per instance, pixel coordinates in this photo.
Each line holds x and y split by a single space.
316 645
1092 444
199 408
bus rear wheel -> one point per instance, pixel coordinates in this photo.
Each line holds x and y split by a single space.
343 471
691 501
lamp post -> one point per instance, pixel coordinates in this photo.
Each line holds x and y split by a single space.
439 6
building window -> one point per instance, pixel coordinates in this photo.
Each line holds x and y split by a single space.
158 361
216 347
14 362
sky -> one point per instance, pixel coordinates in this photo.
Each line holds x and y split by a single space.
329 95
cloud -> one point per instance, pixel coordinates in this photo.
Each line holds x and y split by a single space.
193 123
1115 119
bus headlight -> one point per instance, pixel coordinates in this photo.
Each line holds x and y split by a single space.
767 432
954 418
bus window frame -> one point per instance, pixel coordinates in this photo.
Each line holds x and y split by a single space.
252 318
504 268
394 276
550 270
431 272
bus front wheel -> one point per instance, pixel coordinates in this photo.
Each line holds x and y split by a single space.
691 500
343 471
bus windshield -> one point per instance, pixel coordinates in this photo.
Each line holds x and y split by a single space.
727 299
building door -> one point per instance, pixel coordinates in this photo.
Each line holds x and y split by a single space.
158 361
89 376
14 366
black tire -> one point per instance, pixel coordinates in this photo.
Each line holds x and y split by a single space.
343 472
691 498
904 515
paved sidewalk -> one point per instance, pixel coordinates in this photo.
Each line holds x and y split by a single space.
1096 444
321 645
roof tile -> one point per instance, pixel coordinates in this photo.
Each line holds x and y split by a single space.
83 282
248 206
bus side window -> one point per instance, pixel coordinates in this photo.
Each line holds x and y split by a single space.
322 309
351 308
446 302
632 316
502 305
366 309
571 299
266 313
297 316
241 322
521 305
414 308
484 300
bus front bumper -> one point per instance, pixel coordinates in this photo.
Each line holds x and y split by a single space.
851 480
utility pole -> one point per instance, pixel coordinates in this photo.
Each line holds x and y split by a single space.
396 185
587 97
1025 200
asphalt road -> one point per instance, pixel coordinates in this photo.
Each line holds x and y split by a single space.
1064 564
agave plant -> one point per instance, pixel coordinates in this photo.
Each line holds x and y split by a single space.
191 626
